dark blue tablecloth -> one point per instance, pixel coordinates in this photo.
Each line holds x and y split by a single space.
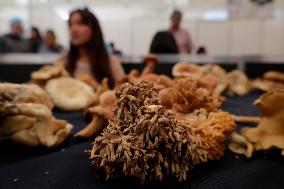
68 166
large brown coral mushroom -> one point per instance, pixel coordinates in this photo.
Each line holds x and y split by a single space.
145 141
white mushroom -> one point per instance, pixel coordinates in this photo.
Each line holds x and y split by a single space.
69 94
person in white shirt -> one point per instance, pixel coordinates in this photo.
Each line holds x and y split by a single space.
181 35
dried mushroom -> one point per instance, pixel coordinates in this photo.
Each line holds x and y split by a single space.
26 117
145 141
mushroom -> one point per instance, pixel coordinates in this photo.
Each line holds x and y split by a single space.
160 81
183 69
100 114
238 83
240 145
219 74
45 73
187 95
146 141
69 94
271 80
150 61
270 131
210 76
26 119
19 93
274 76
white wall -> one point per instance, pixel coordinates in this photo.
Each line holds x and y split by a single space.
132 30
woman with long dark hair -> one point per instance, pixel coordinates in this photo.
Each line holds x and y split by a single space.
88 54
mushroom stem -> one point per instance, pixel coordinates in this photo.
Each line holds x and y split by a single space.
246 119
97 124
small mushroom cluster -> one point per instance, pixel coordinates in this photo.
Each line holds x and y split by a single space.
214 78
26 117
145 141
187 95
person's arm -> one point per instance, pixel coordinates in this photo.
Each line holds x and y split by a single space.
116 68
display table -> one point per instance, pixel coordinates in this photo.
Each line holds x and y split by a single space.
68 165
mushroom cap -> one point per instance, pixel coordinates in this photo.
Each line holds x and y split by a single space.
274 75
69 94
270 131
218 72
150 58
183 69
23 93
48 72
238 82
271 102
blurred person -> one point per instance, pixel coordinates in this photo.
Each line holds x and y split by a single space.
163 43
50 44
88 54
35 39
201 50
13 41
181 35
114 50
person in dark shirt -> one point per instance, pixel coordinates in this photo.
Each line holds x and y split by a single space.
13 42
163 43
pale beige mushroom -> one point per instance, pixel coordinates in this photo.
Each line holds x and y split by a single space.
184 69
45 73
240 145
33 124
270 131
217 72
27 119
238 83
69 94
19 93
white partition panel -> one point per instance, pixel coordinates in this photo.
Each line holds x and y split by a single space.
214 36
143 31
246 36
273 37
119 32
